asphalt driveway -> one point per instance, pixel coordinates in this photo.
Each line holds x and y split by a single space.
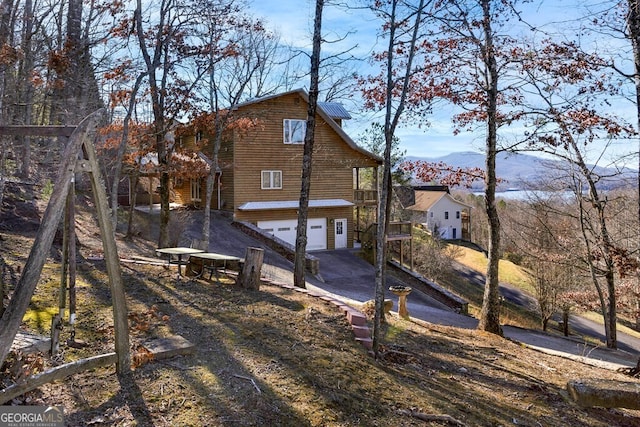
344 274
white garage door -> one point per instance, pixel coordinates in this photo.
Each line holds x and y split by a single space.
286 230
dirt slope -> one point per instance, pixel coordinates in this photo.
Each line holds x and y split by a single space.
279 357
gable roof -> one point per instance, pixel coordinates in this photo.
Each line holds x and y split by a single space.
425 200
322 113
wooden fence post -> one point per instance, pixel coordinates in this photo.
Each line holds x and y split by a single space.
112 260
249 276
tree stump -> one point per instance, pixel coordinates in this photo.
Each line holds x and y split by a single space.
200 244
249 276
565 322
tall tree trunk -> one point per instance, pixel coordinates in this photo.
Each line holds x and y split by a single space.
633 25
132 202
6 28
605 245
490 312
71 95
157 104
390 124
6 7
590 263
303 210
211 180
26 87
117 170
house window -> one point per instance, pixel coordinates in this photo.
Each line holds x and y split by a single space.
294 131
457 214
195 190
446 215
271 180
199 136
431 214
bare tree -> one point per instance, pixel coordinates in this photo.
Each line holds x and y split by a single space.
633 34
26 90
122 147
401 22
162 44
307 155
541 232
236 69
466 62
566 88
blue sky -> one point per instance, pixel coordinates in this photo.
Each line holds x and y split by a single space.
293 20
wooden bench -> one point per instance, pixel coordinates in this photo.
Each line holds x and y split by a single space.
177 252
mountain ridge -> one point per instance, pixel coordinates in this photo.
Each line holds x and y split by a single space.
525 171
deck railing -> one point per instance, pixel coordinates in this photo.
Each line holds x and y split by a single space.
399 229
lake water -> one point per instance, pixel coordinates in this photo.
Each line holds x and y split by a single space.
527 194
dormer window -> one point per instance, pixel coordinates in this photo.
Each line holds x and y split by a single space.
294 131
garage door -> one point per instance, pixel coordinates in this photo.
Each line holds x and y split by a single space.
286 230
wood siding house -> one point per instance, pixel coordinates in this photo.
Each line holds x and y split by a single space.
260 166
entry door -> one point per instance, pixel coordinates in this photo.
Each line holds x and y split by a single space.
340 226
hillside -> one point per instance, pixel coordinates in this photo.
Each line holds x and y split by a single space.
281 357
525 171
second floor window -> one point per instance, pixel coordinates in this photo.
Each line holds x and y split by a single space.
446 215
294 131
457 214
271 180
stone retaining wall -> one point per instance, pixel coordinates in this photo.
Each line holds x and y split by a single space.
312 264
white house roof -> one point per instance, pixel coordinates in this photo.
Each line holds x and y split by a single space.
293 204
425 200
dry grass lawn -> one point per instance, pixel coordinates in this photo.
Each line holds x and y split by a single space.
276 357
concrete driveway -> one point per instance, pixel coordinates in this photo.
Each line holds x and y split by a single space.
346 275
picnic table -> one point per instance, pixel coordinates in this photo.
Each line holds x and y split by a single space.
211 262
177 252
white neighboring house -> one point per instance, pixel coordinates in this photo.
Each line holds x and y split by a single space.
439 212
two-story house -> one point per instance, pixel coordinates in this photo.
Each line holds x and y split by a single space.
438 211
260 166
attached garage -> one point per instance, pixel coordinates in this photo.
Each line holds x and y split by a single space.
286 230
